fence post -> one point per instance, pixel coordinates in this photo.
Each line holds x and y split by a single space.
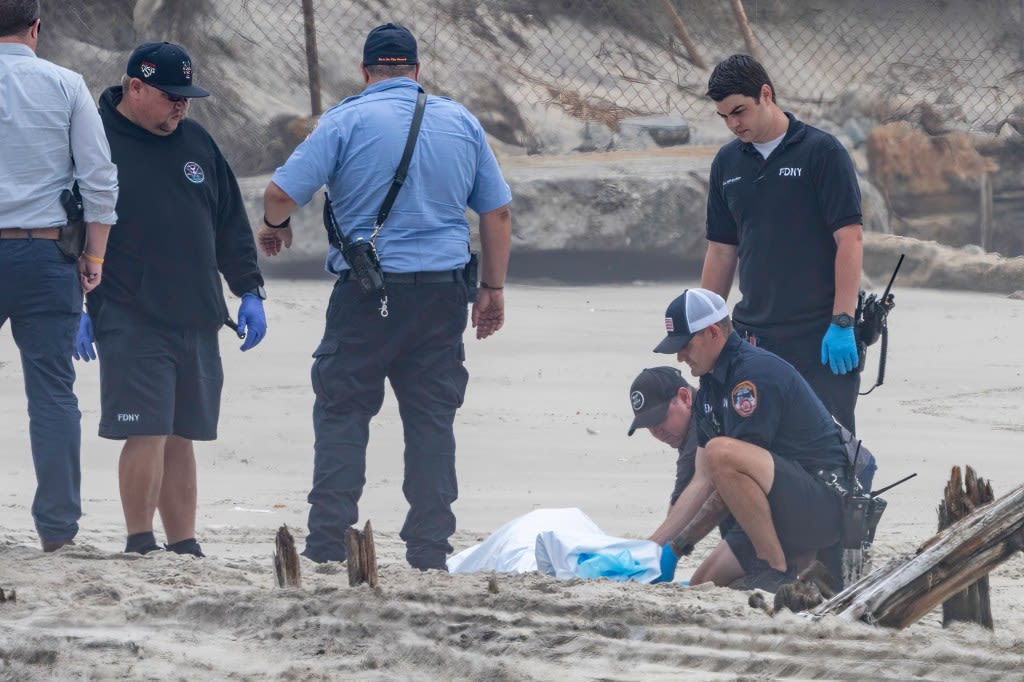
744 26
684 35
312 58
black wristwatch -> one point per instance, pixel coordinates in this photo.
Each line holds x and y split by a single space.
842 320
259 292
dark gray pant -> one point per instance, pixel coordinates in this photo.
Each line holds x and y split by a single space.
41 295
419 349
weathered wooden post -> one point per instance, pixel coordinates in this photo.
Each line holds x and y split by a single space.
361 556
286 560
971 605
906 588
680 30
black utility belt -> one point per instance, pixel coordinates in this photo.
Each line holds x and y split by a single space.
836 479
430 277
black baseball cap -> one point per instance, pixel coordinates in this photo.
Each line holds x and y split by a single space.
389 45
690 312
166 67
650 394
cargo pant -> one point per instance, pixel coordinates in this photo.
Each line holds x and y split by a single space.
418 347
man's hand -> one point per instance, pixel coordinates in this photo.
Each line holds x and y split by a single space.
89 274
488 312
271 239
83 349
839 349
252 321
668 565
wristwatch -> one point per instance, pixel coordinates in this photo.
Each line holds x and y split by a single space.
843 320
259 292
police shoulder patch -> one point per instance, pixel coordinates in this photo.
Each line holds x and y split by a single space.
744 398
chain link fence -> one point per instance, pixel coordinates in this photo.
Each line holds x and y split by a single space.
530 68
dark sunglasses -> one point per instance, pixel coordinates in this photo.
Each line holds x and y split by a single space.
173 98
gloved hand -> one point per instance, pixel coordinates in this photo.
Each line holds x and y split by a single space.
83 349
668 565
839 349
252 321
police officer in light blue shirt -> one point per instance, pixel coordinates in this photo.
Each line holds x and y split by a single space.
411 331
51 136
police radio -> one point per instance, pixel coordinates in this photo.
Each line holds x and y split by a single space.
872 323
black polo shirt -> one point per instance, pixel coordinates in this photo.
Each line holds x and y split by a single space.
757 397
781 212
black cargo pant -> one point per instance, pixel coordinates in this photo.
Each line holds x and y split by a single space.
418 347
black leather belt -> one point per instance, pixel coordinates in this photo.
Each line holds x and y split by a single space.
435 277
836 479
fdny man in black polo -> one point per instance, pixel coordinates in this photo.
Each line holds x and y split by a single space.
768 447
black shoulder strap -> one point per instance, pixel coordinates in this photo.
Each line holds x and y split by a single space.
403 165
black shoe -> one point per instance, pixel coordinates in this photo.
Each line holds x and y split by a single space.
764 577
189 546
54 545
319 558
142 543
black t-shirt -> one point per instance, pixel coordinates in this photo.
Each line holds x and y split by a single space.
781 213
759 398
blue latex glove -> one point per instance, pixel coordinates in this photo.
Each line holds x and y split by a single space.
839 349
252 321
84 349
668 565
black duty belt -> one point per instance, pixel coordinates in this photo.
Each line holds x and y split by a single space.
836 479
434 277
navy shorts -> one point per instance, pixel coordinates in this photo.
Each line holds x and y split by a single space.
807 515
156 381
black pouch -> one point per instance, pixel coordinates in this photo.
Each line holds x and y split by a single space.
72 236
470 276
362 258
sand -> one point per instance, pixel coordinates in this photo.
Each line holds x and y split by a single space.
544 425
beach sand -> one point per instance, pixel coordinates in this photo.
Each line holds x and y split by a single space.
544 425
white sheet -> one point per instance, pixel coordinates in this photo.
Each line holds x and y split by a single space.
553 541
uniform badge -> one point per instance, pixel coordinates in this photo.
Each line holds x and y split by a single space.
744 398
194 172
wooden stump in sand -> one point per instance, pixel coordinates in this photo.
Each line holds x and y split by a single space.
361 556
900 592
286 560
971 605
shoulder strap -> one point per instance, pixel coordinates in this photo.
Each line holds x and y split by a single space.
403 165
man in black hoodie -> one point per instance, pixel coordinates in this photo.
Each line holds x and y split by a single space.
181 224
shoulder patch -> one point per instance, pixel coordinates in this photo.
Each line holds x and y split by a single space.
744 398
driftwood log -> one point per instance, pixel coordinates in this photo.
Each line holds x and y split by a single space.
286 560
904 589
361 556
965 494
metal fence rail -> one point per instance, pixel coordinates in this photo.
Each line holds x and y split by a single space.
515 62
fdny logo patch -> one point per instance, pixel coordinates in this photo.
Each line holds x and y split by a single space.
186 69
744 398
194 172
636 399
147 69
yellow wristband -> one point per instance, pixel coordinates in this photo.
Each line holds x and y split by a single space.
95 260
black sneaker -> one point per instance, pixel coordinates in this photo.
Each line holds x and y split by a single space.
189 546
764 577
